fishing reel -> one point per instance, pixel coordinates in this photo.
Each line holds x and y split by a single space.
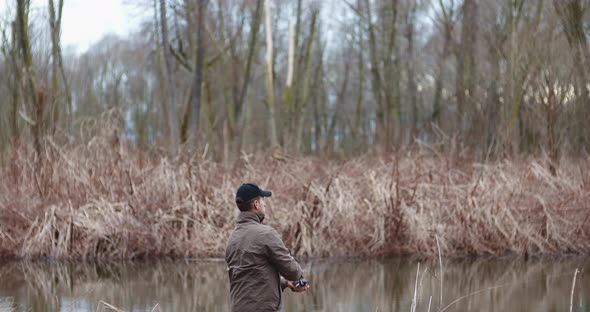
301 283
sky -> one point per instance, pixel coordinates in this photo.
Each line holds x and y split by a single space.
85 22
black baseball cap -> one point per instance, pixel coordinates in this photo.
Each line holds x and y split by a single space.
248 191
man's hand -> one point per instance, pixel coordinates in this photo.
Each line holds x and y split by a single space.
294 288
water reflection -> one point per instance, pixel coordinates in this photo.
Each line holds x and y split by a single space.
337 285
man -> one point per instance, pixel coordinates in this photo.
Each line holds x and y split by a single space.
259 265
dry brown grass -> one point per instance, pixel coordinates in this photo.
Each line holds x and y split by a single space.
106 200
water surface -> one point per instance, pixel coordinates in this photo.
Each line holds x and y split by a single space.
337 285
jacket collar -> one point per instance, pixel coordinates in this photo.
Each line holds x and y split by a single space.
249 216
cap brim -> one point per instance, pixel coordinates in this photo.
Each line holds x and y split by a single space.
264 193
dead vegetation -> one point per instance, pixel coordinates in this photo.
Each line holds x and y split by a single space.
106 200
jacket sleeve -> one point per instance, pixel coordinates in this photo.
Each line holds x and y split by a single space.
281 258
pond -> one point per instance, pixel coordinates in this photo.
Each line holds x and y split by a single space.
337 285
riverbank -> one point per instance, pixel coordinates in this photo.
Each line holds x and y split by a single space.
105 201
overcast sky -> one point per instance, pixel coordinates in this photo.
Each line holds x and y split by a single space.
84 22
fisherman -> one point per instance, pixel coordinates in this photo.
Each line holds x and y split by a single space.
259 265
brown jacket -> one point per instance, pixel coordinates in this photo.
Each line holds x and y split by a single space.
256 259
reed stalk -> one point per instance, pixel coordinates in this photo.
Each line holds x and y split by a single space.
573 288
108 200
413 307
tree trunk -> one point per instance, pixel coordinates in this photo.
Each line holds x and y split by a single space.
270 84
291 95
55 89
357 129
340 106
58 68
493 105
16 87
571 13
172 116
37 96
198 75
412 89
288 97
301 113
465 80
391 84
161 72
254 29
68 90
380 137
230 102
551 119
447 24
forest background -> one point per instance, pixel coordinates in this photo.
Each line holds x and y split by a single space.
384 127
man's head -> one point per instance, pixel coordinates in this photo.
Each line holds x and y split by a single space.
249 197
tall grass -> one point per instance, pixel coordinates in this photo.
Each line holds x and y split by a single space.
105 199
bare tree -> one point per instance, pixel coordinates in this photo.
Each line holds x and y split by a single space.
571 13
474 71
57 66
446 24
300 114
252 48
380 132
270 84
37 95
10 51
172 116
410 67
466 65
198 75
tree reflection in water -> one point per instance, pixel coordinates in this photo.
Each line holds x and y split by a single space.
337 285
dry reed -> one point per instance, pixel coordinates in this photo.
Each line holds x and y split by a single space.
573 288
105 199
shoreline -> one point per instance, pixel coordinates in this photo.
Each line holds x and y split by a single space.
409 257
